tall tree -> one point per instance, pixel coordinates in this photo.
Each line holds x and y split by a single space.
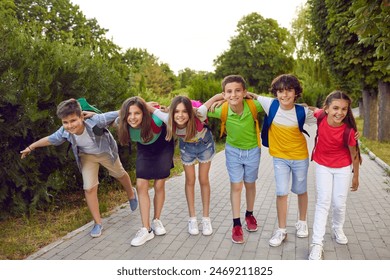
37 73
60 20
309 64
260 51
148 74
372 25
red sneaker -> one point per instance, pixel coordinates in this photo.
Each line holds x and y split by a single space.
251 223
237 235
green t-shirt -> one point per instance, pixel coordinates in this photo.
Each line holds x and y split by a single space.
241 129
135 133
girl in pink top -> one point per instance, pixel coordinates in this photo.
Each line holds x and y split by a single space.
337 158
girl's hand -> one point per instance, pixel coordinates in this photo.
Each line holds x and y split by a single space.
355 183
153 104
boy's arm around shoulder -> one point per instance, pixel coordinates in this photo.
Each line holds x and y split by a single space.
105 119
213 101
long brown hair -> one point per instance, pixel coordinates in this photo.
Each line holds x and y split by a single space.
123 126
349 119
191 124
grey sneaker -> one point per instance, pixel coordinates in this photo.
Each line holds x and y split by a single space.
134 202
207 229
340 236
96 230
302 230
158 227
193 226
316 252
278 237
142 236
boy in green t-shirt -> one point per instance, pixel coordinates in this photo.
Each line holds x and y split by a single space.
241 150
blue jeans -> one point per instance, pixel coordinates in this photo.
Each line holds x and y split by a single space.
203 150
242 165
298 170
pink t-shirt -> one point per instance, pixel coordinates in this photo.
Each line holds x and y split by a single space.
330 150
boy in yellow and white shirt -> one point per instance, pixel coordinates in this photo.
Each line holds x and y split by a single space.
288 147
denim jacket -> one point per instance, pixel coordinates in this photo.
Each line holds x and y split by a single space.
96 129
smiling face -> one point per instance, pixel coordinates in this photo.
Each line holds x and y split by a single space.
337 111
73 123
286 98
135 115
234 93
181 116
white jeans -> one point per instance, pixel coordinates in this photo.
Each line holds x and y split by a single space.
332 186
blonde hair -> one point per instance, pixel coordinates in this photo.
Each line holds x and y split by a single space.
191 124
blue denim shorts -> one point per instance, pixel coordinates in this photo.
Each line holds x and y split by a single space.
283 168
202 151
242 165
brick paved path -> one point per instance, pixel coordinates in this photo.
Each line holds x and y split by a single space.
367 224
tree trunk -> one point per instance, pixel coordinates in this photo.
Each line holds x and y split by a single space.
370 101
383 111
361 108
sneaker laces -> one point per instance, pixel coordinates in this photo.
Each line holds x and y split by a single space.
157 223
339 233
140 233
278 235
206 223
192 223
252 219
316 251
301 226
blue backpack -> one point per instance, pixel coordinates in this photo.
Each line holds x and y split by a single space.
301 116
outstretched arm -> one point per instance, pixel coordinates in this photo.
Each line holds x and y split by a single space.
43 142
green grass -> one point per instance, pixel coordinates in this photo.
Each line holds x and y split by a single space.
23 236
380 149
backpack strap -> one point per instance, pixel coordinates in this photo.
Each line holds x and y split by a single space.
347 131
319 120
252 107
268 120
224 113
301 117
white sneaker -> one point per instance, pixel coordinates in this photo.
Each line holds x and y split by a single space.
142 236
302 230
207 229
316 252
340 236
158 227
278 237
193 226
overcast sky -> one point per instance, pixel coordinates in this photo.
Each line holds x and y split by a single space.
181 33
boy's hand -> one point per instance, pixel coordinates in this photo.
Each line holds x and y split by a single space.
88 114
250 95
25 152
357 135
215 105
